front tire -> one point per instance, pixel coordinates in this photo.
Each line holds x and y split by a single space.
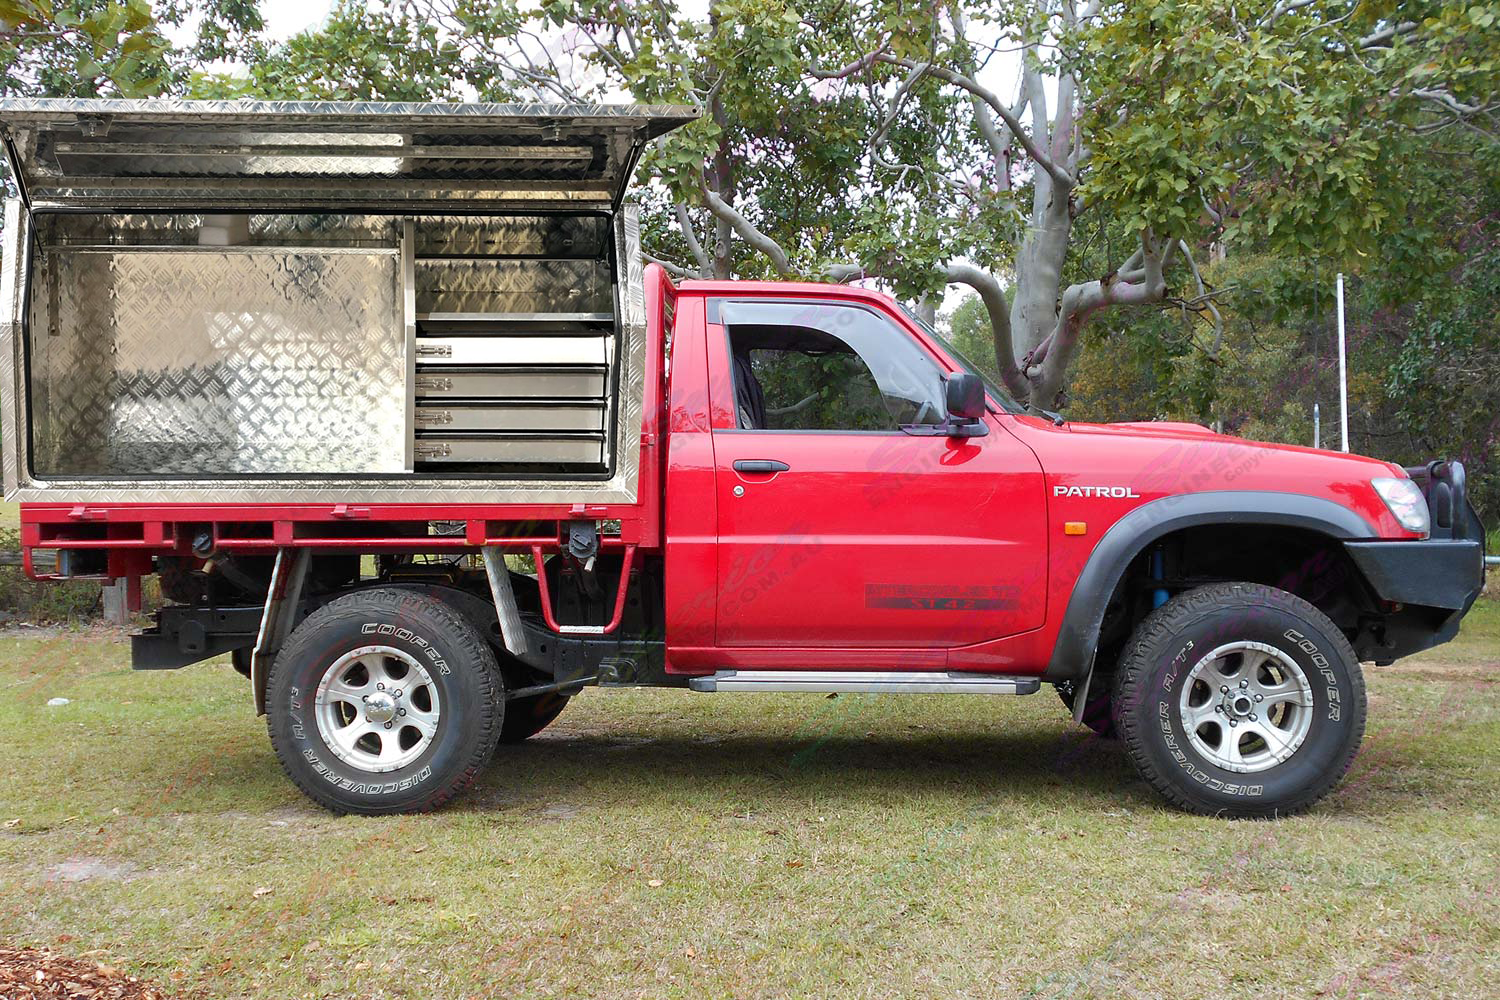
1240 700
384 701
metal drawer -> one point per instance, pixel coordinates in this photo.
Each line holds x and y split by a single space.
541 449
509 417
436 383
580 350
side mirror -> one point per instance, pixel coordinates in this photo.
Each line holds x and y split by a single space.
965 396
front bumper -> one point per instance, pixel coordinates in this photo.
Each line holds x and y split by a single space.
1437 573
1428 585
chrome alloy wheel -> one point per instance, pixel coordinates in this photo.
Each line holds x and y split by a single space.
1246 706
377 708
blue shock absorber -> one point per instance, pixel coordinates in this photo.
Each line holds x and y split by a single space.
1158 571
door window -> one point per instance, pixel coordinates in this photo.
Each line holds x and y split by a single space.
817 367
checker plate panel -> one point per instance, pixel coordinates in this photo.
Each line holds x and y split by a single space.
250 361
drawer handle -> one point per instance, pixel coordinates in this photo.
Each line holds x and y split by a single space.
435 384
431 418
432 451
434 350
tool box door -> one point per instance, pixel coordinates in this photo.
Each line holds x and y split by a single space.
69 153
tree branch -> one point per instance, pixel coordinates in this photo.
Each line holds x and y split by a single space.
1081 301
1057 173
1448 101
999 144
993 297
1386 35
845 272
1205 297
843 72
676 270
758 240
700 256
1284 7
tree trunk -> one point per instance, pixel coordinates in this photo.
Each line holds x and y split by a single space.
721 180
926 310
1039 266
723 185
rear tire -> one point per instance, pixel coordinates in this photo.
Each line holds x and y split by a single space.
1240 700
384 701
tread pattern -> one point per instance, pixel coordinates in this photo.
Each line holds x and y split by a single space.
392 604
1157 631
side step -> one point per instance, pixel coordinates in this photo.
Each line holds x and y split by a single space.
875 681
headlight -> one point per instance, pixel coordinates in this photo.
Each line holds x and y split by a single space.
1405 500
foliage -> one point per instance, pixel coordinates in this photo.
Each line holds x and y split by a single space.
358 53
821 391
82 48
861 141
1421 373
27 600
1282 141
1442 383
115 48
968 331
786 152
1224 120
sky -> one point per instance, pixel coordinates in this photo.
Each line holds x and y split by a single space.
285 18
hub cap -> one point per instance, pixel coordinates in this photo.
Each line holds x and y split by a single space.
1246 706
377 708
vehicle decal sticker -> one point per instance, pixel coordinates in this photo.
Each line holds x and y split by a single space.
940 597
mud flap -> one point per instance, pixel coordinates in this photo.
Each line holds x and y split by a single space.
283 599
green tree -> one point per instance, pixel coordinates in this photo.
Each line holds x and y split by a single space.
1144 151
82 48
969 332
358 53
115 48
855 142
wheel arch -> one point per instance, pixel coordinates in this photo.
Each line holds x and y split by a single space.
1127 539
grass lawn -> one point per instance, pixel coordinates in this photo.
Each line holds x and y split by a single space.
666 844
10 515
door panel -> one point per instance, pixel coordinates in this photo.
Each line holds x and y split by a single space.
877 539
867 538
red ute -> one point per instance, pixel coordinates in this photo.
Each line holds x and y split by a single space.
583 475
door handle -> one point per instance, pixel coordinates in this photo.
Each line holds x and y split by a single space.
760 466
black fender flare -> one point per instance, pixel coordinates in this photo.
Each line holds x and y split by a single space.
1077 638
